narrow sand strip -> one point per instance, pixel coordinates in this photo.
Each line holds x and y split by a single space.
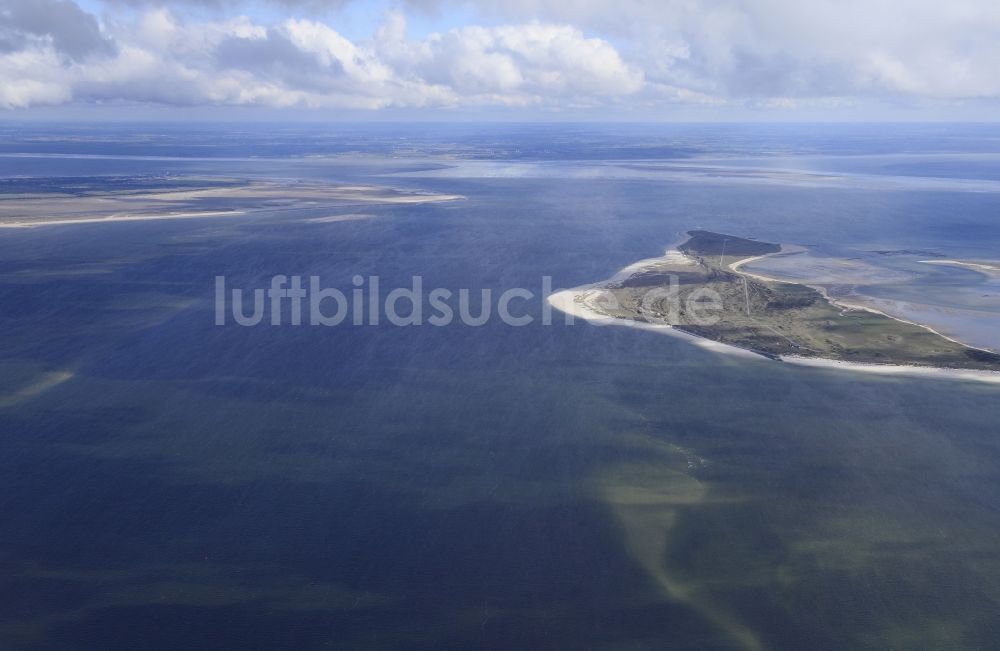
989 268
992 377
332 219
123 218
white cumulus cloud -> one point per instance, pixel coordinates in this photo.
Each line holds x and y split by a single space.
158 58
518 53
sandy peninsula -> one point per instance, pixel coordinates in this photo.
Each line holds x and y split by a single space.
759 317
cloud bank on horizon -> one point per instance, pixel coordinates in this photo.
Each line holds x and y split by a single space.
542 55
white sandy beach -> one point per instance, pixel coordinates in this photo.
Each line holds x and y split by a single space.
890 369
577 302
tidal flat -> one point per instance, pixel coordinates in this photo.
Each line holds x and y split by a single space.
79 201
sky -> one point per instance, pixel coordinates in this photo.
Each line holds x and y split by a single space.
618 60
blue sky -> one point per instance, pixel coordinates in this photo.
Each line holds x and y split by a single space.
501 59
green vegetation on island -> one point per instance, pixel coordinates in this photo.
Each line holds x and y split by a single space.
704 293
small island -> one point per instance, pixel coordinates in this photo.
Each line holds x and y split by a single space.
699 289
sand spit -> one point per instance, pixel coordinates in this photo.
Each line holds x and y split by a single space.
991 269
992 377
575 303
123 218
580 302
252 197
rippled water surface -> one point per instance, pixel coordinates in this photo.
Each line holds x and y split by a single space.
170 484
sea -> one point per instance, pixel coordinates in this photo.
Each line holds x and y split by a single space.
170 483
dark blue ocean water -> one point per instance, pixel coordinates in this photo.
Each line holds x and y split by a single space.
188 486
